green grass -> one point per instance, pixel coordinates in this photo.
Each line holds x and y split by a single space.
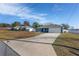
9 35
67 44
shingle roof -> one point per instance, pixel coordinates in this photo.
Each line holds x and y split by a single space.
50 26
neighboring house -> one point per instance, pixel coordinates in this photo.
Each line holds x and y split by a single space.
50 28
30 29
74 30
65 31
24 28
16 28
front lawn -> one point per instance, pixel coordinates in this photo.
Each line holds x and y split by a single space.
7 35
67 44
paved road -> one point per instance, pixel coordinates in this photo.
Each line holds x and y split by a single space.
36 46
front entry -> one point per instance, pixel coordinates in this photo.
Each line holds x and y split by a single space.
46 30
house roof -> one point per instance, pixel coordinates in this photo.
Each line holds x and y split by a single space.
50 26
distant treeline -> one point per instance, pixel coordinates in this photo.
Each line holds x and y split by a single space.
5 25
26 23
16 23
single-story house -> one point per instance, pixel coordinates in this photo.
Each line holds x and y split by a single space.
74 30
24 28
50 28
29 29
65 30
16 28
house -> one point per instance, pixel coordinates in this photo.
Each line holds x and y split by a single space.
65 31
74 30
24 28
30 29
50 28
16 28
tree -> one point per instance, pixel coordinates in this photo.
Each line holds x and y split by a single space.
26 23
16 24
65 26
4 25
35 25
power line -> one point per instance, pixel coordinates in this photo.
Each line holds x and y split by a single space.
71 15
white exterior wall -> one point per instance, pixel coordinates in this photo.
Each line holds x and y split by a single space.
2 49
10 52
74 31
65 31
54 30
6 50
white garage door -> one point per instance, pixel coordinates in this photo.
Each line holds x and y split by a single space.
54 30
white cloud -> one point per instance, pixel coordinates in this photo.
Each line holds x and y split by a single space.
20 11
8 9
42 15
57 8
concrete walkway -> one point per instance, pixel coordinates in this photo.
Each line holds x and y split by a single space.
36 46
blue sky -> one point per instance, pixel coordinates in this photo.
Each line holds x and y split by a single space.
40 12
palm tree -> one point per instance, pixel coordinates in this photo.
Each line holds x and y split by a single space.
26 23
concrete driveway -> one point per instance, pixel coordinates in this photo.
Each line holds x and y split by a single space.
40 45
43 38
